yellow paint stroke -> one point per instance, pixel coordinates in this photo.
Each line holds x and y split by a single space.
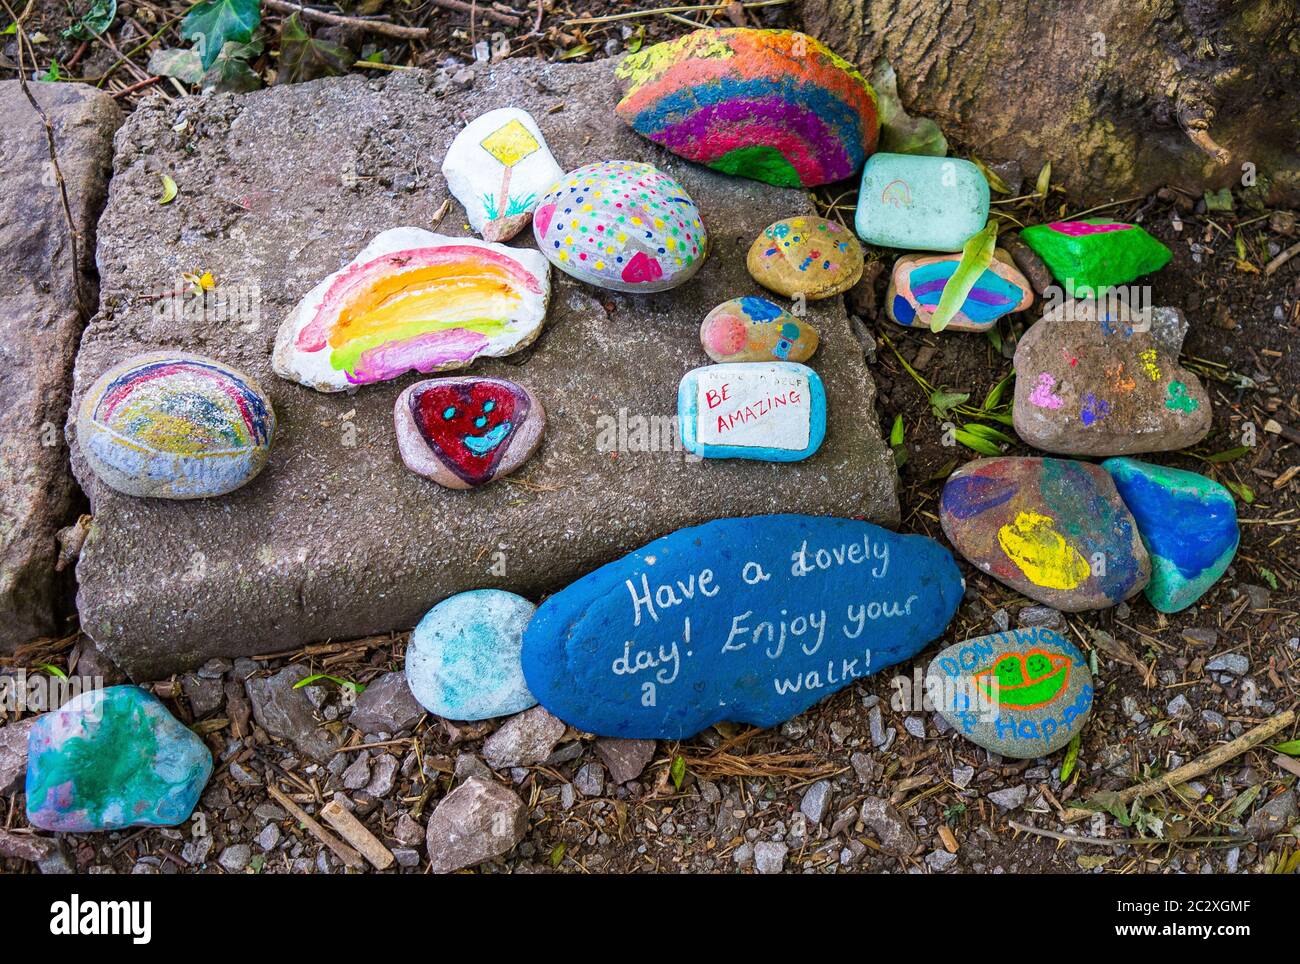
1148 358
1041 553
510 144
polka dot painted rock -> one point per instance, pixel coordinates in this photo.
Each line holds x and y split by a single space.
755 329
466 432
918 281
1052 529
621 225
806 256
172 425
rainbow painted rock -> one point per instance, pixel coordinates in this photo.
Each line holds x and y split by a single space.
1188 524
171 425
413 300
917 283
773 105
806 256
113 758
1052 529
621 225
465 432
1023 693
1091 255
754 329
922 203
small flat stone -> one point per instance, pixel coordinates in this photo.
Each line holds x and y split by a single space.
1238 664
772 412
386 705
463 659
891 829
625 759
1053 529
1273 817
13 754
477 821
466 432
287 713
769 857
807 257
917 282
921 203
1093 254
1010 798
113 758
1023 693
756 330
523 740
816 801
589 780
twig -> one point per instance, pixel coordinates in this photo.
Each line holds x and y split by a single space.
1282 258
1116 842
341 850
694 8
137 86
461 7
357 834
374 26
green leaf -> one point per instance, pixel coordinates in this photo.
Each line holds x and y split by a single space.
1290 748
635 41
976 254
1044 182
184 65
678 771
1228 455
557 854
989 432
942 402
896 432
901 133
1241 490
97 18
53 75
302 58
1218 200
945 470
211 24
995 183
976 444
53 670
9 30
1245 799
357 688
1269 577
169 190
1071 758
573 53
1109 801
231 73
995 338
996 392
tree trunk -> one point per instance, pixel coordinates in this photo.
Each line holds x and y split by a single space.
1122 96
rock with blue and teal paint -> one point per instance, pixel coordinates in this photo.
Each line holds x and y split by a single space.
1093 254
768 412
463 659
921 203
1023 693
1188 524
754 329
918 281
1053 529
113 758
806 257
749 620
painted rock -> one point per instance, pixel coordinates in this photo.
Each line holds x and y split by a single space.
621 225
748 620
1091 255
755 329
465 432
171 425
807 256
771 412
1052 529
413 300
1023 693
1094 378
498 167
463 659
923 203
113 758
774 105
1188 524
918 281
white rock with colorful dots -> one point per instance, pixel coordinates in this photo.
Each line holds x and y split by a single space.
621 225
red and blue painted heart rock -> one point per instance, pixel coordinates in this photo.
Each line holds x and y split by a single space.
466 432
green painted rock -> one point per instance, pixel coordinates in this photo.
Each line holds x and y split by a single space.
1094 254
921 203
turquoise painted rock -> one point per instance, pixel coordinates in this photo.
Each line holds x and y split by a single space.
463 659
770 412
1053 529
1188 524
917 282
1091 255
921 203
113 758
1023 693
748 620
755 329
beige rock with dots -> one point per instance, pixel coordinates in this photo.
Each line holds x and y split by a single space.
807 256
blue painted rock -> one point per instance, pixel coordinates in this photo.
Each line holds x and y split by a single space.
1091 255
463 659
621 225
172 425
1023 693
113 758
922 203
770 412
755 329
917 282
748 620
1188 524
1052 529
806 256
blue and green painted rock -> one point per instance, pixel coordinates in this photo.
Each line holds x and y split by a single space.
918 281
921 203
1188 524
1094 254
113 758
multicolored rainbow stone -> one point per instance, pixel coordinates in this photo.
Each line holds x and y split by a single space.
918 281
172 425
754 329
621 225
413 300
1188 524
1094 254
774 105
113 758
1053 529
809 256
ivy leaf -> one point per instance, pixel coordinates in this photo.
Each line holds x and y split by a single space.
901 133
942 402
211 24
231 73
976 254
184 65
303 58
97 18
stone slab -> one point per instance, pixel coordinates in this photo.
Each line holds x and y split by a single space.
336 538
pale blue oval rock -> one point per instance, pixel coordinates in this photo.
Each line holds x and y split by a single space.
920 203
773 412
463 659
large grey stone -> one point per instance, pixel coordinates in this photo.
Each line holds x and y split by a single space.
336 538
41 316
